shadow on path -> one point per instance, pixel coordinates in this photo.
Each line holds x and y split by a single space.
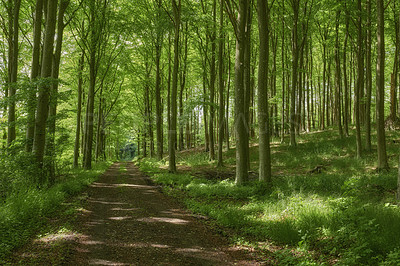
127 221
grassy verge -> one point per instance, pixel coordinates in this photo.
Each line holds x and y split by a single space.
26 213
344 214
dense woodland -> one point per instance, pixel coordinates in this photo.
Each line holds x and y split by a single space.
84 81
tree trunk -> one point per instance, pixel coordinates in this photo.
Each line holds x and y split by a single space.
263 116
13 66
247 79
35 69
368 81
338 78
172 132
346 85
380 87
221 120
240 115
295 53
79 110
44 92
50 146
359 83
212 82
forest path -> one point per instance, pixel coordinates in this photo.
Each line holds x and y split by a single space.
130 222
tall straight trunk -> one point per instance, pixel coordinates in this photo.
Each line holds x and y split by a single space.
299 89
100 122
227 133
368 81
380 87
263 116
346 85
212 82
359 83
338 79
324 89
283 81
44 92
159 118
50 146
182 90
247 79
221 116
169 84
13 66
79 109
35 69
295 53
240 119
172 132
89 120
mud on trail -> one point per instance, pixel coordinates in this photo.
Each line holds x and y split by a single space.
128 221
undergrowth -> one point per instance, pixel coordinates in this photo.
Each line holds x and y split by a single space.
25 211
345 214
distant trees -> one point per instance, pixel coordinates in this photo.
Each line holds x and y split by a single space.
92 76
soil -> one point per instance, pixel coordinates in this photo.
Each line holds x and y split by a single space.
128 221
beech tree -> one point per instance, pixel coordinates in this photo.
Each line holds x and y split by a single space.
380 87
44 90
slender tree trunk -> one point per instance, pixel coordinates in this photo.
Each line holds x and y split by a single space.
221 120
368 81
79 110
240 115
44 91
295 53
13 67
35 69
89 121
159 118
346 85
172 132
247 79
263 116
283 80
50 146
359 84
380 87
227 133
212 82
338 78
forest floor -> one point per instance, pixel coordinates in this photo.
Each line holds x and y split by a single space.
124 219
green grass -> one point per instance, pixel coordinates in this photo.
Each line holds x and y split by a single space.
346 213
23 214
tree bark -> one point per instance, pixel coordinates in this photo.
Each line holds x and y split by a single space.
172 132
13 66
346 85
368 81
44 91
212 83
359 83
263 116
35 73
338 78
221 116
79 110
240 115
380 87
295 53
50 146
159 118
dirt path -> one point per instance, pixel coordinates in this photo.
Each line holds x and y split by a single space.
130 222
